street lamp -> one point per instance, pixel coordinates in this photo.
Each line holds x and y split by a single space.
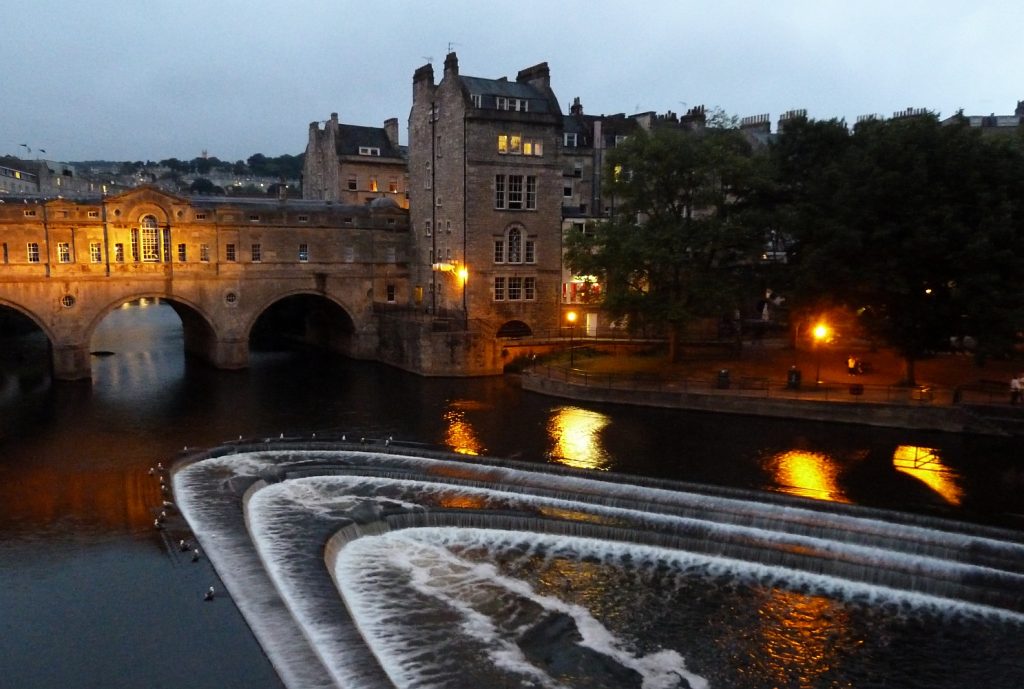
571 317
820 333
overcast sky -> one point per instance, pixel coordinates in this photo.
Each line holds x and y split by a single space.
154 79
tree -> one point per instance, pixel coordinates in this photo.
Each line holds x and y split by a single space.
912 225
674 248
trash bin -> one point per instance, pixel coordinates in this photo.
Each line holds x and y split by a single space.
793 378
723 379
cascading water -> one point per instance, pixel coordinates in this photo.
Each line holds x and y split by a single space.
384 569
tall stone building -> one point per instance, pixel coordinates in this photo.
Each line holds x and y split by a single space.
486 199
354 164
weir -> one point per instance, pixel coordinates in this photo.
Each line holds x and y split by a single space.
404 568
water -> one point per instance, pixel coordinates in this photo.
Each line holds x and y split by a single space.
92 596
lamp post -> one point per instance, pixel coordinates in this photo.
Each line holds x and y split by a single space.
571 317
463 278
820 333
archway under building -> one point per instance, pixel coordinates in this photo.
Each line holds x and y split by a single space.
514 329
26 355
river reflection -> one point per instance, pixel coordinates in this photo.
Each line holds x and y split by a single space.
925 464
76 505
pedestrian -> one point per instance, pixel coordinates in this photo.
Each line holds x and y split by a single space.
851 365
1016 384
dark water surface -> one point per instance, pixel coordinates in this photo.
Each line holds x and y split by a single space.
92 596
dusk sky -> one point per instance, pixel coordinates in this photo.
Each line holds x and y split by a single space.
122 80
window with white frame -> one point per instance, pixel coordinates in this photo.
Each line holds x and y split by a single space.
499 289
448 226
182 253
476 99
95 252
149 238
515 289
515 192
229 253
499 250
428 228
32 252
369 151
569 139
204 253
303 253
529 288
428 178
515 245
119 253
529 251
63 252
501 102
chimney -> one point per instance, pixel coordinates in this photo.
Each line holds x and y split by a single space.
451 65
757 123
333 125
576 108
391 130
538 75
424 74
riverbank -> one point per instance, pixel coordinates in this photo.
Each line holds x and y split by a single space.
953 393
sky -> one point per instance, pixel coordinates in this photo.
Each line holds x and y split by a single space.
155 79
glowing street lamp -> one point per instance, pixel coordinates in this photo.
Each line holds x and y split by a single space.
571 317
820 333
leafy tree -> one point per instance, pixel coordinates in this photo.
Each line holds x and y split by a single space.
675 245
913 225
201 185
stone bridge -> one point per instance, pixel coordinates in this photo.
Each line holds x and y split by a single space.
220 263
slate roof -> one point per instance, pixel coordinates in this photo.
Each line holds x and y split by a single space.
489 89
352 136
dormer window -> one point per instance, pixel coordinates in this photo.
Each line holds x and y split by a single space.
369 151
477 100
569 140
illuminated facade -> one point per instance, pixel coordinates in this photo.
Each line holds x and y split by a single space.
485 199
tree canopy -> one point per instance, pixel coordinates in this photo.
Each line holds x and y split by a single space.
676 241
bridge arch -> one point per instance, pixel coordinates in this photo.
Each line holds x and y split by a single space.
307 317
200 334
30 315
514 328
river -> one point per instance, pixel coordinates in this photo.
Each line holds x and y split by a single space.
91 595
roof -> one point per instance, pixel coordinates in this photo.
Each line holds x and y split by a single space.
352 137
489 89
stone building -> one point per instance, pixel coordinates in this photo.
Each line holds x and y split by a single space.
354 164
485 177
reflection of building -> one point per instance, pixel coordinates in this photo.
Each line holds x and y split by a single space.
485 182
354 164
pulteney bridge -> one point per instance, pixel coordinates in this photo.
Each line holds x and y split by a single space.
219 262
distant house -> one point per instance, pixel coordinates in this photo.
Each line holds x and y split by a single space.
355 164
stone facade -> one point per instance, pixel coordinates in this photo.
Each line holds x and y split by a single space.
220 262
485 212
354 164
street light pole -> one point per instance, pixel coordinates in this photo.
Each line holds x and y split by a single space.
571 317
820 333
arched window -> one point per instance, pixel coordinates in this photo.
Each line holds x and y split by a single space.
515 245
149 238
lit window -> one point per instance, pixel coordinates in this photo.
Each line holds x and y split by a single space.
499 250
393 185
499 289
204 253
149 235
95 252
502 143
257 253
32 252
533 147
303 253
515 144
229 252
373 184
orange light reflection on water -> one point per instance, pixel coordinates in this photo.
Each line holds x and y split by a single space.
925 464
803 638
807 474
459 434
576 438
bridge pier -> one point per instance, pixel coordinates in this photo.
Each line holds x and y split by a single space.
227 353
71 362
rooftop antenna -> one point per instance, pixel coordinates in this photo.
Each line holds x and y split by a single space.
429 60
452 44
